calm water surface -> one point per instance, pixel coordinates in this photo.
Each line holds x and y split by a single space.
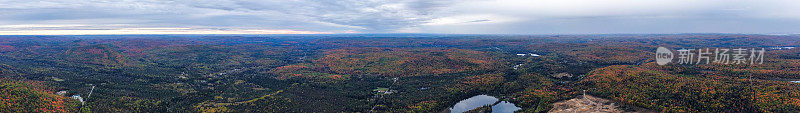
483 100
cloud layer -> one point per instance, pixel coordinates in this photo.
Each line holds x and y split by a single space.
400 16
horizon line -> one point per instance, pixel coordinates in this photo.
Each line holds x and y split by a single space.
409 33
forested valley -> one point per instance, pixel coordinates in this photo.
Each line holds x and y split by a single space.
387 72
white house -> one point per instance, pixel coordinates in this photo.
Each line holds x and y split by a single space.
78 97
62 92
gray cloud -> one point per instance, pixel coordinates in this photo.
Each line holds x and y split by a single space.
423 16
482 20
367 16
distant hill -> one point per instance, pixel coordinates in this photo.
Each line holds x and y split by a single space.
99 54
395 62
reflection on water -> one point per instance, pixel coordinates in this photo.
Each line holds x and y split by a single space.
505 107
483 100
472 103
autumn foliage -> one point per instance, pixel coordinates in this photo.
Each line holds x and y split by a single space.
96 54
31 96
404 62
668 92
395 62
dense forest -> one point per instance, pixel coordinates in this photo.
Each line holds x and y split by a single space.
414 72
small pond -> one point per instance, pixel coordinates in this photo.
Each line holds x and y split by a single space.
483 100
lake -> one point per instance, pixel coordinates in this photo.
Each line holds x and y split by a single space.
483 100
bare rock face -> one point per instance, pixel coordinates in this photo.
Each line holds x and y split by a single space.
587 104
562 75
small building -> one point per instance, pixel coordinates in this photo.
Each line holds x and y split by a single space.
62 92
381 90
78 97
384 91
390 92
517 66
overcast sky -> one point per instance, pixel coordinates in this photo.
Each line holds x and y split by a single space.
398 16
